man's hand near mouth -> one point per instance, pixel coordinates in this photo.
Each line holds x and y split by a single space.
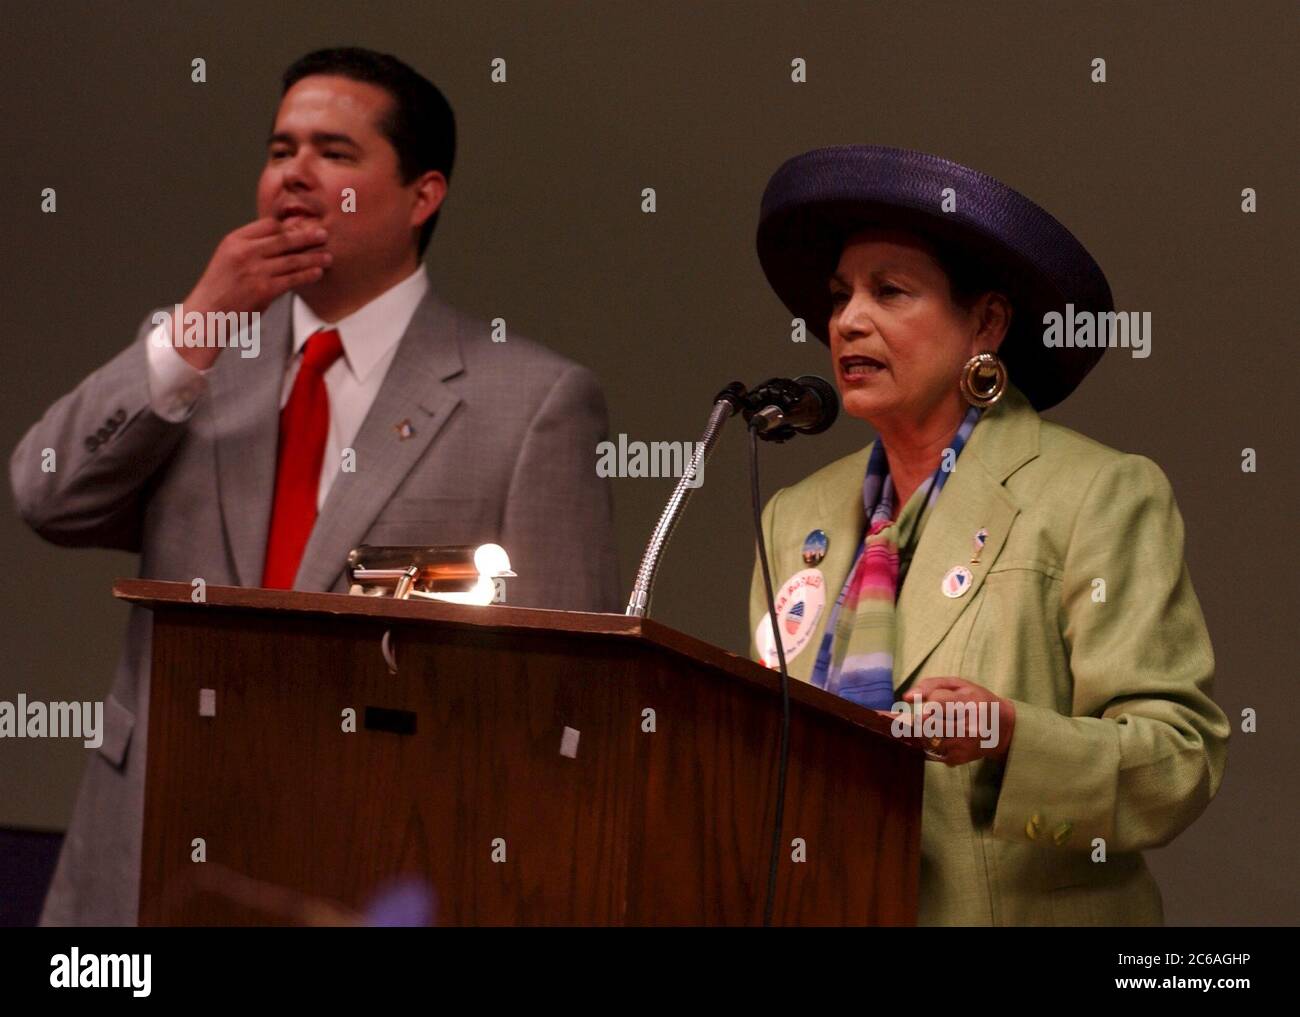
255 264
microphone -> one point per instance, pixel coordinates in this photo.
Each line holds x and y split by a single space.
776 410
779 408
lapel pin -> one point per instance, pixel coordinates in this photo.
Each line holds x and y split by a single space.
980 539
957 581
814 547
404 429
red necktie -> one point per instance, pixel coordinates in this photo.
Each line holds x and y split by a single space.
304 425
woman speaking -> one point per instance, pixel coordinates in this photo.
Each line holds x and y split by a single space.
977 554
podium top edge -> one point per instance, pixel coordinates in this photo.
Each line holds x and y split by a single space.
151 593
156 593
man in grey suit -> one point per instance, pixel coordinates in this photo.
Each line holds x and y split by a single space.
371 413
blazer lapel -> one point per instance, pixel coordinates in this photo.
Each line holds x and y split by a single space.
245 394
973 498
412 392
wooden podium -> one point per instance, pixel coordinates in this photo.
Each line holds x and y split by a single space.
531 767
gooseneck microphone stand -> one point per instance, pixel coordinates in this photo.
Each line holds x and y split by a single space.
726 404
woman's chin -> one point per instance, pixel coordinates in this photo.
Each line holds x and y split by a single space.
864 403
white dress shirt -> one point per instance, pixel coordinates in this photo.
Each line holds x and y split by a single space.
369 335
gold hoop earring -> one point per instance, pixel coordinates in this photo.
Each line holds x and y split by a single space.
983 379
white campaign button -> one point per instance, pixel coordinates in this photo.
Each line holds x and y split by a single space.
957 581
799 605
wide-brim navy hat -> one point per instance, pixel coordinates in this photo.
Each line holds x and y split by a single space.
815 201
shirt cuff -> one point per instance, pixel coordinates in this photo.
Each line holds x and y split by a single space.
175 385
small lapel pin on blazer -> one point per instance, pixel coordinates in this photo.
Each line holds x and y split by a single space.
957 581
814 548
980 539
404 429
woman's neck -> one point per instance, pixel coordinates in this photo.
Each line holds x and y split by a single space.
915 448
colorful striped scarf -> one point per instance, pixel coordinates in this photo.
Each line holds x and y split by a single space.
856 658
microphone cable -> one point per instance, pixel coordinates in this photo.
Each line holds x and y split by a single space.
784 756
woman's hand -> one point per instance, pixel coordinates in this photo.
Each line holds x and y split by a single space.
994 722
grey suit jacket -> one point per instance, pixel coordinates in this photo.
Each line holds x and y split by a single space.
501 447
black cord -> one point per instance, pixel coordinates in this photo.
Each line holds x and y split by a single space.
783 766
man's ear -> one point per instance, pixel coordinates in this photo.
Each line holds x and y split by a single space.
993 315
430 190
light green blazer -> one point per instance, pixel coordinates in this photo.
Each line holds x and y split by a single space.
1082 612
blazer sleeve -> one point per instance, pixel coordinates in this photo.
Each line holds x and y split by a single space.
1145 748
80 473
558 526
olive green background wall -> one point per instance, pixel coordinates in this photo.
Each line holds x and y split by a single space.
543 227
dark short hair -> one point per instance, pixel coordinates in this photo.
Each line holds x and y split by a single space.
970 273
420 125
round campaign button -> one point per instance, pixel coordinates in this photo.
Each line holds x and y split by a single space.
814 547
957 581
799 605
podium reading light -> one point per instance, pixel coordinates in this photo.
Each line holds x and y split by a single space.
456 574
